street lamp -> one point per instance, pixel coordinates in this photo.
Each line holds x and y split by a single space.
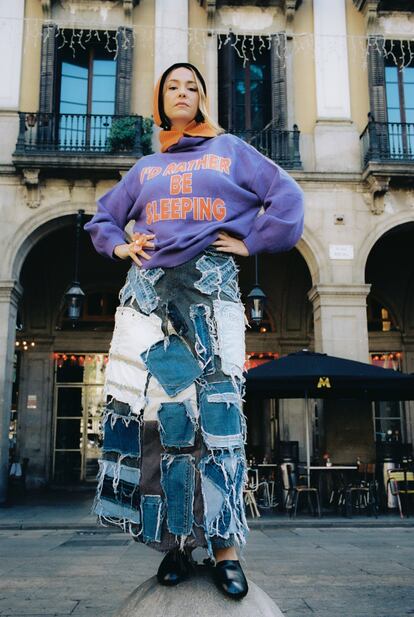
256 298
74 296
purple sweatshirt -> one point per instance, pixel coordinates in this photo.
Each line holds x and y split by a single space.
196 189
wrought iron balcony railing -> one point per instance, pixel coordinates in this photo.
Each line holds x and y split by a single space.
74 134
279 145
388 142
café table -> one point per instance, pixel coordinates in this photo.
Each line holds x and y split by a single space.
325 475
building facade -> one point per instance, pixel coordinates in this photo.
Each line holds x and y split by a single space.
324 87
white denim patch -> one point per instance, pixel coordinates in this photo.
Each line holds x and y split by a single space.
156 395
126 373
230 322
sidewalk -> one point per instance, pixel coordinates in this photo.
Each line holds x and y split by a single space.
72 510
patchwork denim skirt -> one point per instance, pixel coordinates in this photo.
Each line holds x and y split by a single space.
173 466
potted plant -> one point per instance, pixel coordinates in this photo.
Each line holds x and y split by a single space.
122 134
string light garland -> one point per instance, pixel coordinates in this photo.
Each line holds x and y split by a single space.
249 45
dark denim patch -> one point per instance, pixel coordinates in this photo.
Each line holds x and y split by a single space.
172 364
153 511
204 344
220 415
177 424
178 481
122 435
176 318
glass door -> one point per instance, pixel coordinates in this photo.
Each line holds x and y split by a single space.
79 405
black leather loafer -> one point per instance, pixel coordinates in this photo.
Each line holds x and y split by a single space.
229 577
174 568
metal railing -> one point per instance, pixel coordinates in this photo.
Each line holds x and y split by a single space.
90 134
279 145
388 141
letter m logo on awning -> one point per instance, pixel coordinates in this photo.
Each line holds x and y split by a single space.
324 382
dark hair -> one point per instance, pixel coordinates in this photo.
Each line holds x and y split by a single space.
165 121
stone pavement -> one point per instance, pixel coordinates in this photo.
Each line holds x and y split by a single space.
55 562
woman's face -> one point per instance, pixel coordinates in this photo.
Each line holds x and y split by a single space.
181 97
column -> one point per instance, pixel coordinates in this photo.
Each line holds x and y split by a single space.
212 75
10 294
340 320
11 44
336 138
171 34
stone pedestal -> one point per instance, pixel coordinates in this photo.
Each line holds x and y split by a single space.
196 597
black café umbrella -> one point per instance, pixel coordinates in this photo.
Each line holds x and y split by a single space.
307 375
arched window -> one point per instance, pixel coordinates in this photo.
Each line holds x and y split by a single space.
379 317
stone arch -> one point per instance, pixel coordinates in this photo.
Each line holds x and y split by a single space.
372 238
41 224
313 254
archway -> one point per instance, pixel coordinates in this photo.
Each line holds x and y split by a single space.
390 271
58 395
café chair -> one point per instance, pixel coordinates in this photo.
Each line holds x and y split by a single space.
401 483
293 491
362 494
249 491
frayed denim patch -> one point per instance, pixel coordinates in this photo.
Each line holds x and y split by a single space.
117 494
178 482
222 480
177 424
139 286
205 336
153 511
218 274
172 364
156 396
220 416
121 433
126 373
230 322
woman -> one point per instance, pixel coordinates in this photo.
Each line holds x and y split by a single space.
173 464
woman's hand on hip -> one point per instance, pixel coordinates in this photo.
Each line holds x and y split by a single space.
134 248
230 244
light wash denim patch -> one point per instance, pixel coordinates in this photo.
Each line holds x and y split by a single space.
218 274
153 512
177 424
205 340
156 396
220 415
230 322
120 513
178 482
172 364
222 480
139 286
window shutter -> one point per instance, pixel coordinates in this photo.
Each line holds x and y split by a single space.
278 76
376 80
125 40
226 78
48 68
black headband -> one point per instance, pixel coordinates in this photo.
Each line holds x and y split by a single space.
165 122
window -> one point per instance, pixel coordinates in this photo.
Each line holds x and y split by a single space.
399 89
388 415
379 318
86 96
252 93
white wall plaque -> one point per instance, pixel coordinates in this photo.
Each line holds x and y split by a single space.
32 401
341 251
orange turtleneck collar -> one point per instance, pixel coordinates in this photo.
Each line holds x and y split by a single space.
172 136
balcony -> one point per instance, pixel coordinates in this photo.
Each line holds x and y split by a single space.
388 148
78 142
280 146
